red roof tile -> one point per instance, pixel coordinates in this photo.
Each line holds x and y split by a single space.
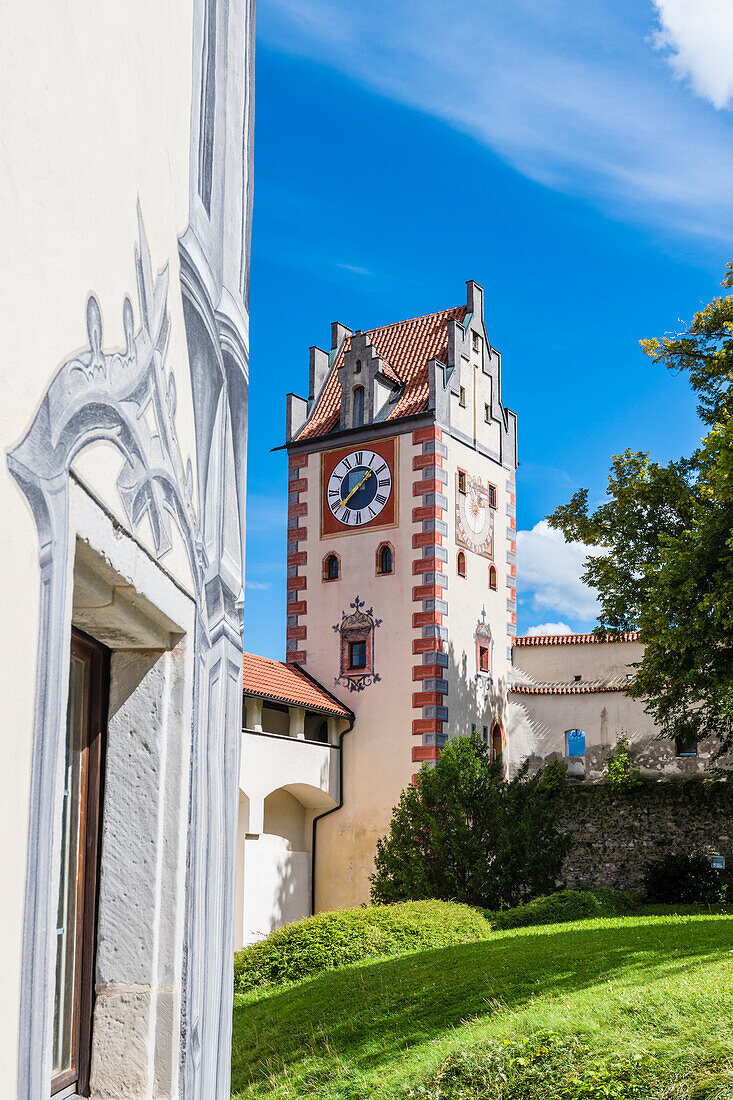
405 348
573 639
564 689
288 684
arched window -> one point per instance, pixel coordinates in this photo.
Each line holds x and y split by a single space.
357 408
492 577
497 746
357 367
461 564
331 567
385 559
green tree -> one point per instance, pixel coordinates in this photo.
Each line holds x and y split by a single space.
666 536
464 833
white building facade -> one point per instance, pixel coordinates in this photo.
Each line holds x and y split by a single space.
401 558
290 780
126 199
568 701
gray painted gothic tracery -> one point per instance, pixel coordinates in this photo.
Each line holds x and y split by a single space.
102 396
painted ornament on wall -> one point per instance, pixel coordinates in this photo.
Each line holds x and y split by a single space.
358 487
474 516
356 647
484 656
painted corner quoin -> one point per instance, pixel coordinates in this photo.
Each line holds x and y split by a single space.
428 594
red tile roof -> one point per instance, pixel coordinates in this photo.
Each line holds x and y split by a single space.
405 348
288 684
564 689
573 639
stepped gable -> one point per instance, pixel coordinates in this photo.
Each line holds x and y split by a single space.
406 347
288 684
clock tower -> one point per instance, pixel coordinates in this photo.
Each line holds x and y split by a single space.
401 559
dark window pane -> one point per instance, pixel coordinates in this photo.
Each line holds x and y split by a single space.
357 654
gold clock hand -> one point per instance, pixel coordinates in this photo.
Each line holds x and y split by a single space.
358 486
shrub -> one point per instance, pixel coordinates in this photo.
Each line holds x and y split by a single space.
332 940
537 1068
622 776
688 878
567 905
465 833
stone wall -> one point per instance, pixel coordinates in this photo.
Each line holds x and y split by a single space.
617 833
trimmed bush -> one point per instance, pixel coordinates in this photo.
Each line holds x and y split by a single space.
683 878
566 905
332 940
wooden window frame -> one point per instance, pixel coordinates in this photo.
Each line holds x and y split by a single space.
324 568
91 813
493 578
491 495
380 549
461 557
352 645
462 489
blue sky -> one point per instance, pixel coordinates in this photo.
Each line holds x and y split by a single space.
576 160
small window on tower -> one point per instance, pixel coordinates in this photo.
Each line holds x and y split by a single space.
483 658
487 414
385 559
462 397
476 342
357 654
485 735
492 496
357 416
357 366
461 564
492 577
331 566
461 481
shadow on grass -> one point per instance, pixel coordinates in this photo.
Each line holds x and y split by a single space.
368 1015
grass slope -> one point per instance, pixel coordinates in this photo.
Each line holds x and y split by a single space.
660 983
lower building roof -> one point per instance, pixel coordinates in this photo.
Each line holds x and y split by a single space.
290 684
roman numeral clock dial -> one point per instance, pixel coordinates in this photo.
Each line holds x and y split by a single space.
359 487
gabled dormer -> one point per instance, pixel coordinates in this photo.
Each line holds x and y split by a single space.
369 385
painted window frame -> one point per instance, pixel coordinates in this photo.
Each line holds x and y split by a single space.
461 560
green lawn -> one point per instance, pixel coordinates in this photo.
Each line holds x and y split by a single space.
661 983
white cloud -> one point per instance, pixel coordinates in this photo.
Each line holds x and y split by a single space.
570 94
699 37
548 628
257 586
549 568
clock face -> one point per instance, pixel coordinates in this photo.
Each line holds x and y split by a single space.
359 488
474 518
